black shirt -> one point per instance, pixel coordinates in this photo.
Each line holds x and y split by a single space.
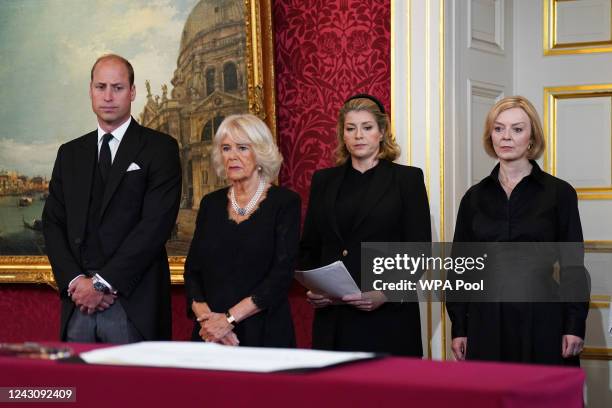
541 208
352 192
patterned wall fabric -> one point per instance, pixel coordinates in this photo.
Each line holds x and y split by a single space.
326 51
32 313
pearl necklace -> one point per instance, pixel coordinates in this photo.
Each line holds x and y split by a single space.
251 204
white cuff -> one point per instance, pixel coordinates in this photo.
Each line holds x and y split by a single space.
105 283
74 280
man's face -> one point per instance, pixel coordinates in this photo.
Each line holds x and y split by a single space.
111 93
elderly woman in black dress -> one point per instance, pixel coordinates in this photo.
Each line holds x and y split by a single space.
366 198
518 202
240 265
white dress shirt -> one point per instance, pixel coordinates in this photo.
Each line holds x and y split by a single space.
113 144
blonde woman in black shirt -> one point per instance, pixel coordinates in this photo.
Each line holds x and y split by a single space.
518 202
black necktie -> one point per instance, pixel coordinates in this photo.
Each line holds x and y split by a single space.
104 162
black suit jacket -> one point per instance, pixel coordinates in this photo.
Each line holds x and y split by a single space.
137 214
395 210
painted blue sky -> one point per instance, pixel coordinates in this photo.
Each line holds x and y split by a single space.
47 48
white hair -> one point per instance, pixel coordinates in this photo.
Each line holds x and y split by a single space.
252 130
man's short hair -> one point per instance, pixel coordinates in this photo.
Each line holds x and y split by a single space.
125 62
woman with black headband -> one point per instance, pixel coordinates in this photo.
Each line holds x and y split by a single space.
366 198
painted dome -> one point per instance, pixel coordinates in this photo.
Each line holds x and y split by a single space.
208 15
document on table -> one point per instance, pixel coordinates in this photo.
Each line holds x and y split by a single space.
332 279
212 356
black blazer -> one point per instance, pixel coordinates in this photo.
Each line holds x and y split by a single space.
395 210
137 214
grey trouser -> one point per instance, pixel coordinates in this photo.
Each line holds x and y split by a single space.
109 326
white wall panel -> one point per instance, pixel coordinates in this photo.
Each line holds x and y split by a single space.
598 378
584 132
599 265
486 25
583 21
482 96
596 220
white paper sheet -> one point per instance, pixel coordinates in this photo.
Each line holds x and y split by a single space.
211 356
332 279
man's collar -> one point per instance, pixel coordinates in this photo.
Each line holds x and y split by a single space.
117 133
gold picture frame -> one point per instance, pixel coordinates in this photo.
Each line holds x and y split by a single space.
551 44
261 101
551 96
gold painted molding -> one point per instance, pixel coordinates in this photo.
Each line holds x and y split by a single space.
402 119
261 101
37 270
428 152
26 269
597 246
177 266
260 61
552 47
601 298
551 96
442 141
596 353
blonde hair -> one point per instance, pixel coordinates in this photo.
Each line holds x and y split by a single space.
537 143
389 150
249 129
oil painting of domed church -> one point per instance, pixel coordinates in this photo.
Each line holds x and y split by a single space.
195 63
209 83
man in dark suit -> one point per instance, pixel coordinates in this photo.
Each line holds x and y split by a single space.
113 199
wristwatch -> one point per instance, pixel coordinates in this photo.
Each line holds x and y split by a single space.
230 319
99 286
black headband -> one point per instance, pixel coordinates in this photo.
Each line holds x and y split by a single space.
370 97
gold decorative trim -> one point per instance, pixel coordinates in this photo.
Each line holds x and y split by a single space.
26 269
404 117
441 90
260 61
409 85
596 353
428 151
37 270
393 78
597 246
261 101
551 96
177 266
599 305
553 47
603 298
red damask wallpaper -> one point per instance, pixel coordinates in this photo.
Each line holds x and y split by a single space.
326 51
32 313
